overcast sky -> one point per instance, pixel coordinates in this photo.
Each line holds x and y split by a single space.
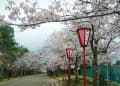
34 39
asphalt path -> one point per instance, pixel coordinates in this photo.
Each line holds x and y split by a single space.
34 80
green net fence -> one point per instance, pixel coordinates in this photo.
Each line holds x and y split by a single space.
109 72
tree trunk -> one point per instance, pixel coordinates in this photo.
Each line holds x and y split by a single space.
94 70
95 54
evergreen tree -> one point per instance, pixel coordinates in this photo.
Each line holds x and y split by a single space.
9 49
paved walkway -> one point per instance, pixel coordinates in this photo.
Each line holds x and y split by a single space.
34 80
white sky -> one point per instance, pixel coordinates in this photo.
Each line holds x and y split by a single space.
34 39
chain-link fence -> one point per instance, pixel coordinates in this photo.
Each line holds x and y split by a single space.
110 72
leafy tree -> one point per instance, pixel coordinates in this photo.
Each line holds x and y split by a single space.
6 38
10 50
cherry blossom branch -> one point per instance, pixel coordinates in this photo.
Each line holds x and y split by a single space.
67 19
108 44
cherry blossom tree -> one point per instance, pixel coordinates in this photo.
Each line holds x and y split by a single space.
29 13
100 15
57 44
31 61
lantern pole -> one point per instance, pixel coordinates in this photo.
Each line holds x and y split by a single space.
81 35
69 56
64 70
69 73
84 64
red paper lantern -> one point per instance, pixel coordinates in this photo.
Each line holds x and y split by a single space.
84 36
69 52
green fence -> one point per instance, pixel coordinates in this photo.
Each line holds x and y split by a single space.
109 72
88 72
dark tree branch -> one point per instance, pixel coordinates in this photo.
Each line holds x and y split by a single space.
109 43
85 1
92 39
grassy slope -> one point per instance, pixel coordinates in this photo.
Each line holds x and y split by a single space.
62 82
7 80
